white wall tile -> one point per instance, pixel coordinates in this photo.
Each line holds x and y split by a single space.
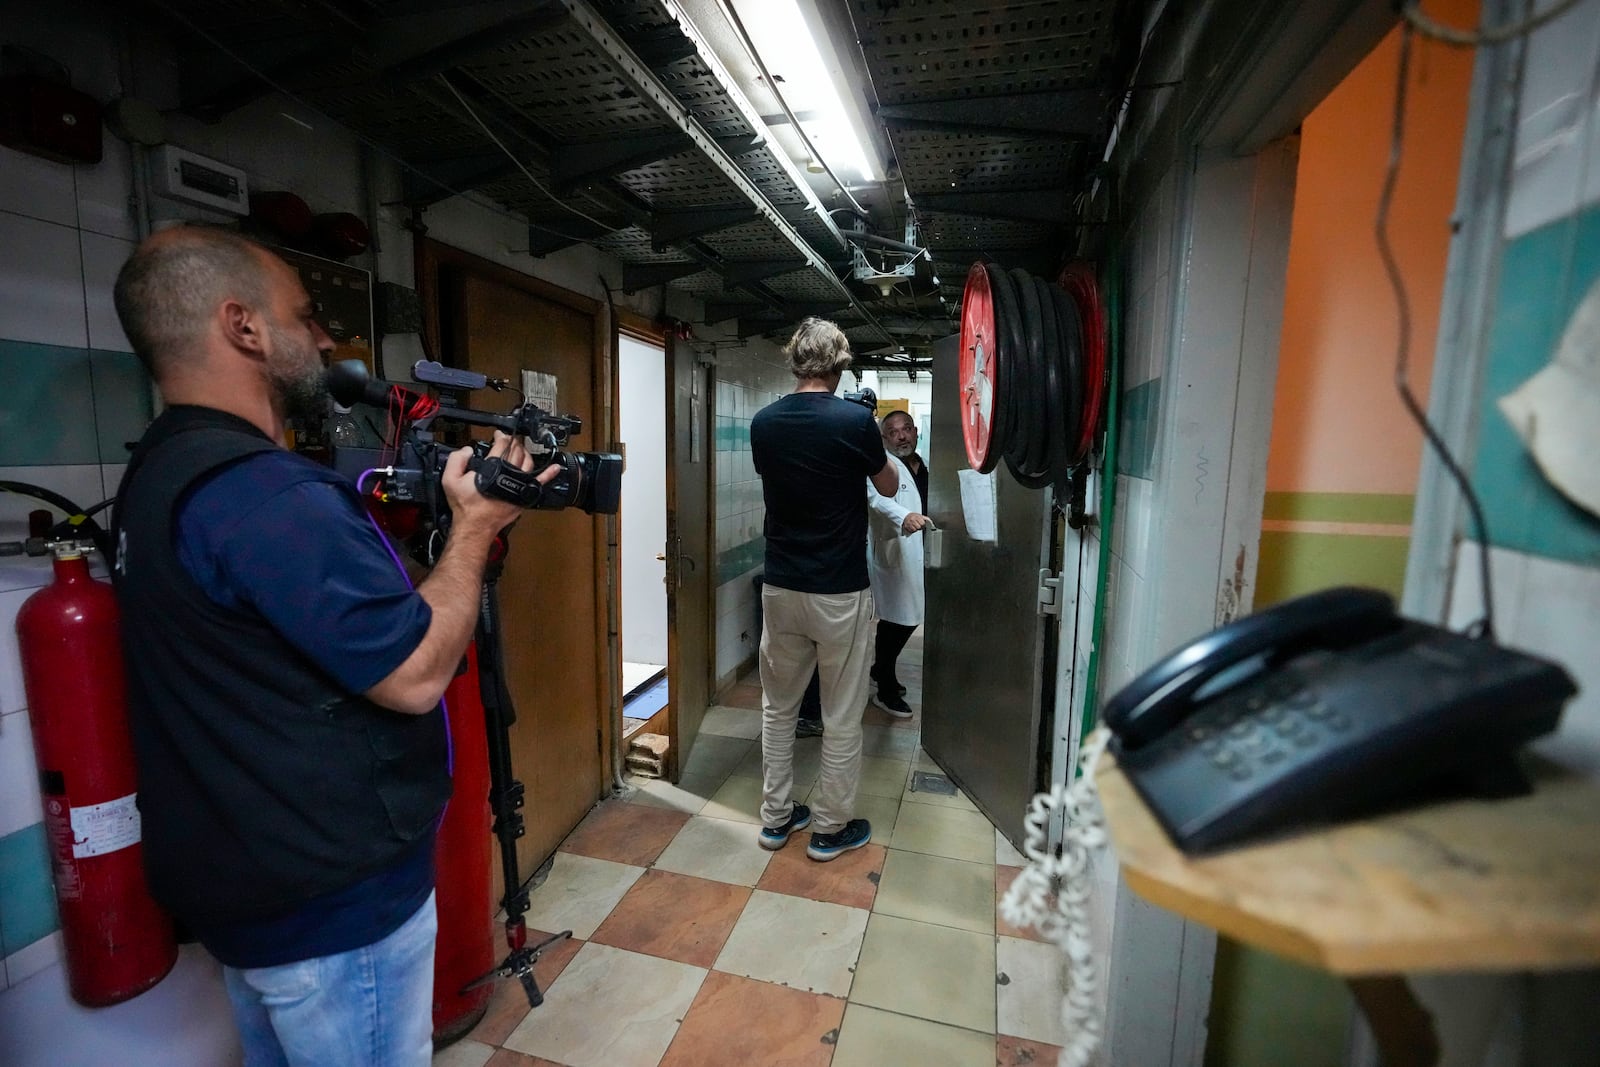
104 188
12 697
103 257
32 959
41 275
20 805
37 188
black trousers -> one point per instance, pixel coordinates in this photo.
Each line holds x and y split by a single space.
892 638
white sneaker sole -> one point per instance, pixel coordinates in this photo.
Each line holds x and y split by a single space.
878 702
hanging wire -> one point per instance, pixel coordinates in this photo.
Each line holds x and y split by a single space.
537 184
1402 361
1411 11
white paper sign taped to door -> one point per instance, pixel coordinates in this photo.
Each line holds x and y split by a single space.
977 505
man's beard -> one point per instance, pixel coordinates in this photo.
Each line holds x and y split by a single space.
903 451
298 377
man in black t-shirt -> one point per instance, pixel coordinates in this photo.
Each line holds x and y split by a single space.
812 449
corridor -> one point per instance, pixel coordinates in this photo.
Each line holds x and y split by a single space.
693 947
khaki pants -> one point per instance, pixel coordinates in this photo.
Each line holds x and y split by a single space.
831 632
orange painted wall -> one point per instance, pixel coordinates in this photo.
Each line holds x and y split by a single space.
1338 426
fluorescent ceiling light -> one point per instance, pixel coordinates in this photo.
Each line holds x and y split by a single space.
794 59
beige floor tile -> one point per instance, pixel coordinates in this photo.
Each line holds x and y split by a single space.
921 761
936 890
1006 854
579 894
881 812
888 742
931 972
1032 983
732 722
959 801
873 1038
464 1053
803 944
718 849
739 800
807 763
881 777
715 756
949 832
689 795
609 1008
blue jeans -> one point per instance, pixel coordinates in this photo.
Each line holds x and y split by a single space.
369 1007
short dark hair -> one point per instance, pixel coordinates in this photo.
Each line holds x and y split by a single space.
902 413
169 287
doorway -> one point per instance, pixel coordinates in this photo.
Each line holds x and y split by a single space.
642 422
552 593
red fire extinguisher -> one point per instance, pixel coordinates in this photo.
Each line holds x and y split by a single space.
117 941
463 898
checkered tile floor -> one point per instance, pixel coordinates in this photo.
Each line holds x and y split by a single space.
694 947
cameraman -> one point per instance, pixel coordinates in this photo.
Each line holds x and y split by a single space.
284 679
812 449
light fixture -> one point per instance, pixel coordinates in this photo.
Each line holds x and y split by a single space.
783 37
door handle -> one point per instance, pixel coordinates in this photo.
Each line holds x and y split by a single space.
661 556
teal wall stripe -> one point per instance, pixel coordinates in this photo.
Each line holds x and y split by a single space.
740 559
27 889
70 405
1544 274
1140 415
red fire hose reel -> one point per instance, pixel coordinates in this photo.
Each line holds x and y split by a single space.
116 940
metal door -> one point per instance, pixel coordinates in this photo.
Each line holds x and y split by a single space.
984 645
689 540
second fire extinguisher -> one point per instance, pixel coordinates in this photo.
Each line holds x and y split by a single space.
117 940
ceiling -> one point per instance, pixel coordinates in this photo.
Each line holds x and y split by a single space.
630 133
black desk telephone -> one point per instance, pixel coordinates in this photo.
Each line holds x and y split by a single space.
1326 707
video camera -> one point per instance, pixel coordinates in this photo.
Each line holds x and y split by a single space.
865 397
409 470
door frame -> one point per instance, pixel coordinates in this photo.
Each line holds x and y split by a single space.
432 259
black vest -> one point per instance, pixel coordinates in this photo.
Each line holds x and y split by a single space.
262 784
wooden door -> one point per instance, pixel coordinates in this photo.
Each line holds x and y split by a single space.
689 541
551 596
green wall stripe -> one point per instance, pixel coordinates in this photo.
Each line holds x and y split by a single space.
1295 563
1389 508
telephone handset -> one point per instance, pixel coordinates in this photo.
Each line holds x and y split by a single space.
1325 707
1164 694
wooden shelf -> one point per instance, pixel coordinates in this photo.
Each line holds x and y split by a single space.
1510 885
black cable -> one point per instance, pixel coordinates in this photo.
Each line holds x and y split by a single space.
76 516
1391 266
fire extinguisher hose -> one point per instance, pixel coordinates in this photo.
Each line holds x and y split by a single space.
76 516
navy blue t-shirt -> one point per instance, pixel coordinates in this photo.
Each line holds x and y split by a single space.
813 452
257 535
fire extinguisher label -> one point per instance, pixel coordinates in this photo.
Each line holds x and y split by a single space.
107 827
58 825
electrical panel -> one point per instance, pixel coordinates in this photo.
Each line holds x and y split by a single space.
179 174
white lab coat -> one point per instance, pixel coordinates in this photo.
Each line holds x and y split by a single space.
894 560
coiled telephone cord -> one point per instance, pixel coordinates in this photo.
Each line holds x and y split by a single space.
1052 894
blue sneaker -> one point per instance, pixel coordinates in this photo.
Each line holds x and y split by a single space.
777 837
851 835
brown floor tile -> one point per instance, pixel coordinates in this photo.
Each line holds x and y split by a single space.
850 879
625 833
1003 877
504 1057
1012 1052
878 717
742 695
739 1022
675 917
509 1004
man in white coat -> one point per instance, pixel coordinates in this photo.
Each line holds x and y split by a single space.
894 558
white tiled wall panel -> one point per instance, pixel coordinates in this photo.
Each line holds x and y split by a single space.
41 275
103 257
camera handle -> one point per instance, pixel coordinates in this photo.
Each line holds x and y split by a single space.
506 794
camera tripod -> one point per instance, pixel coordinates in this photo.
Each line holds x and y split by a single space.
506 794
